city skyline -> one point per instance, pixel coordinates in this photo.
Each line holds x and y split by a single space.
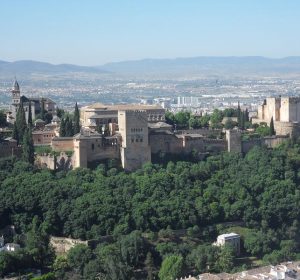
96 32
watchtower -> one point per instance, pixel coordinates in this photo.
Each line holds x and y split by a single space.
15 93
135 149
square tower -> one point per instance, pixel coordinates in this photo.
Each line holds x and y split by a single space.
135 149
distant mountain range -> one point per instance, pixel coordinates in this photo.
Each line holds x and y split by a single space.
178 66
25 67
198 65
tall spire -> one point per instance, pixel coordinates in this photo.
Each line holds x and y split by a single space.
16 86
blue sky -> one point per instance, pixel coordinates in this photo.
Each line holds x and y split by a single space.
93 32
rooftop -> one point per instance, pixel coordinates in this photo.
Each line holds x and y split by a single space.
159 125
228 235
117 107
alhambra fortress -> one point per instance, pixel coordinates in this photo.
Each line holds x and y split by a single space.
135 134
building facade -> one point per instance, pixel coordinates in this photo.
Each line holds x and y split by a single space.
35 104
285 112
231 239
99 114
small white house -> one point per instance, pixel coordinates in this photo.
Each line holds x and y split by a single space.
11 247
232 239
8 247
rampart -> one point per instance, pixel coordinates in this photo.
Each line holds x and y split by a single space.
62 161
8 149
269 141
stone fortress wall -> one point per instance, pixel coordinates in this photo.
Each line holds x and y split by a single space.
10 148
285 112
134 139
135 149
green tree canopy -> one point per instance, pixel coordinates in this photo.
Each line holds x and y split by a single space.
171 268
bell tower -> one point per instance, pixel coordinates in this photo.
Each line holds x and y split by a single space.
15 92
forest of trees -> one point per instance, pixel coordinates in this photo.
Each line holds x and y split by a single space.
185 119
70 123
235 118
141 211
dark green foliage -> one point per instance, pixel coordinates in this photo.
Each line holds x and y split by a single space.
204 121
29 121
37 245
242 118
60 113
246 115
149 265
15 134
225 261
48 117
171 268
76 120
21 124
272 129
239 114
43 111
66 127
170 118
27 147
203 258
260 189
230 112
78 256
48 276
216 118
2 118
35 254
184 120
69 127
230 124
62 128
263 130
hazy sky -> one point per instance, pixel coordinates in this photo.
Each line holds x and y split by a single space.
92 32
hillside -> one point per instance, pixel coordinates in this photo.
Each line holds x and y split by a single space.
208 65
25 67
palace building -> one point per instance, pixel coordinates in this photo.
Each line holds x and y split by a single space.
35 104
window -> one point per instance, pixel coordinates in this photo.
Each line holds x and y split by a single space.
132 140
93 147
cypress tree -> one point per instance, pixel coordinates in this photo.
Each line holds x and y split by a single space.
243 116
68 127
43 109
239 120
15 134
21 122
272 129
76 120
62 128
29 115
246 115
27 147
